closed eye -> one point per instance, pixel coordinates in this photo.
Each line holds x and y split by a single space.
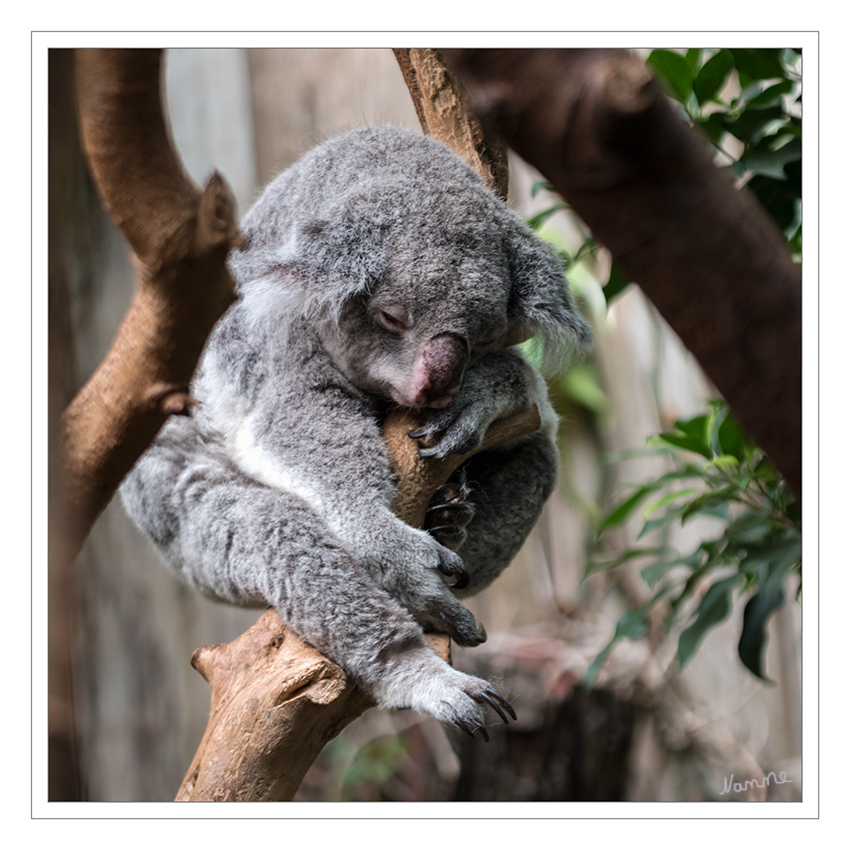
391 322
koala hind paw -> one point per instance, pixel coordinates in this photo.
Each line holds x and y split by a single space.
448 514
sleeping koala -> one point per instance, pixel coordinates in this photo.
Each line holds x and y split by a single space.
379 269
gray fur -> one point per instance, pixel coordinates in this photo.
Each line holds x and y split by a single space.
278 491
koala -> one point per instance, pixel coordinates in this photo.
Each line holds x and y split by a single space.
377 270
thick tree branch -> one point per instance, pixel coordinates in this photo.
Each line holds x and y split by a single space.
707 255
180 237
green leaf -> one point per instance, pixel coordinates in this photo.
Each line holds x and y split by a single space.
783 557
694 55
749 126
713 609
712 76
541 185
623 511
758 63
618 280
632 625
675 70
771 163
711 504
630 555
666 500
753 635
690 434
651 573
772 95
719 415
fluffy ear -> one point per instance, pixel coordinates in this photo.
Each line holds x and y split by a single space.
540 295
319 262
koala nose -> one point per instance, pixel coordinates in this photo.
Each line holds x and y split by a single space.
442 364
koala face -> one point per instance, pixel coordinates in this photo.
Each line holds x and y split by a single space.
437 306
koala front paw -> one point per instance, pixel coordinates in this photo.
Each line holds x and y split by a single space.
455 430
415 579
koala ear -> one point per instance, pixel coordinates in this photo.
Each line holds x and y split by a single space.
540 297
320 262
341 254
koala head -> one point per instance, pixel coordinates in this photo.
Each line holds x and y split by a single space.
405 262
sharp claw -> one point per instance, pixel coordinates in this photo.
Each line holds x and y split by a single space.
428 452
417 433
484 734
463 727
461 583
495 706
442 507
492 697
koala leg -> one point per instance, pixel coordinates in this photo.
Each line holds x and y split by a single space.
508 488
249 544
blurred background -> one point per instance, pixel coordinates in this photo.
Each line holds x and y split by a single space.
640 726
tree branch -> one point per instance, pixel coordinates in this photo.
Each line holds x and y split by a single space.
596 124
180 237
443 115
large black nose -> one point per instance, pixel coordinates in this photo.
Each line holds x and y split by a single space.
444 360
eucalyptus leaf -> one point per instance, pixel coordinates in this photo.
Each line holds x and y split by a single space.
541 186
758 64
629 555
713 609
675 70
666 500
618 280
713 75
768 599
632 625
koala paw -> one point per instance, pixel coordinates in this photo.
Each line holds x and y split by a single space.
412 570
446 519
459 700
455 430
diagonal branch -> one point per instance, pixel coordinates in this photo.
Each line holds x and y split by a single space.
707 255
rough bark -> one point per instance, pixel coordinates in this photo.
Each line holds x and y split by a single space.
598 127
275 701
180 237
443 115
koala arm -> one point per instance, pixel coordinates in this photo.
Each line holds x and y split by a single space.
510 484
